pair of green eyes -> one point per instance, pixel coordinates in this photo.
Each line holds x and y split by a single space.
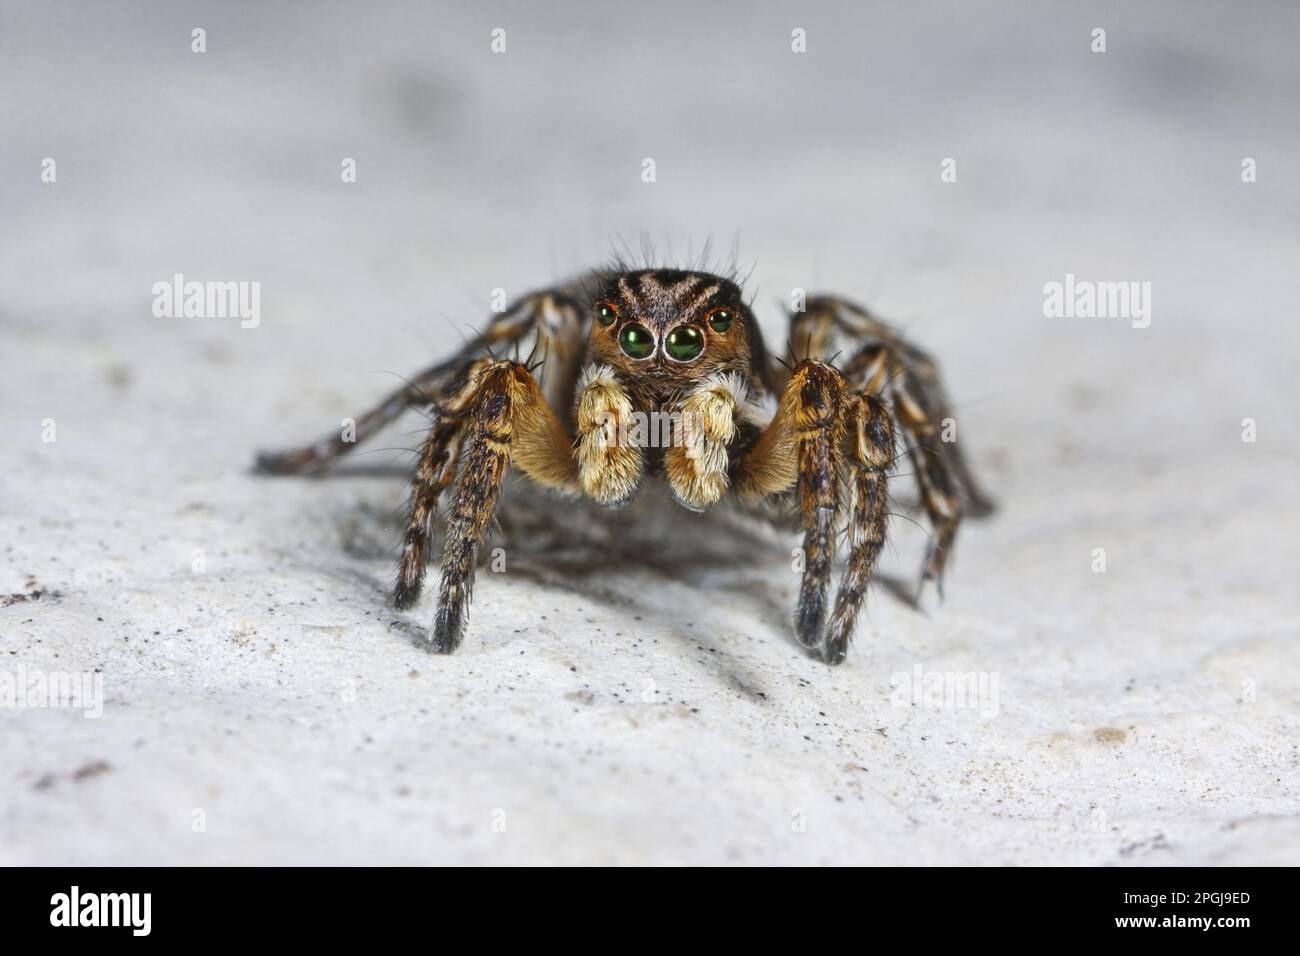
683 343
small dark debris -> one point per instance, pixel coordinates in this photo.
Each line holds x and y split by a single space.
92 769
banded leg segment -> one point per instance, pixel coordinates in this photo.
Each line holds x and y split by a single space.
507 414
932 463
549 324
802 448
882 362
316 456
869 447
819 423
433 473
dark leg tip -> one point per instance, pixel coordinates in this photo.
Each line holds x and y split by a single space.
835 646
284 463
926 577
935 561
405 595
448 631
268 463
809 618
834 650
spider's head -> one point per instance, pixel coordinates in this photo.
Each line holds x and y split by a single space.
670 327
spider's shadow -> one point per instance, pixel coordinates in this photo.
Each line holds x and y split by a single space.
605 555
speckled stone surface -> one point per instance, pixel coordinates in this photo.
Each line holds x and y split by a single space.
629 691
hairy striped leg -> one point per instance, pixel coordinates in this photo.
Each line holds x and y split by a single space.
507 418
801 448
937 464
884 363
433 472
869 449
940 490
548 323
427 389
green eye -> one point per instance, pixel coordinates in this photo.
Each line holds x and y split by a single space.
684 342
605 314
636 341
721 320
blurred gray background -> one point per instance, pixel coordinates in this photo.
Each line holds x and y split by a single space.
1148 714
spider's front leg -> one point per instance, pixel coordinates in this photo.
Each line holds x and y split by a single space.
830 443
882 362
869 445
505 418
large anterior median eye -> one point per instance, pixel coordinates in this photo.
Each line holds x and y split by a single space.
684 343
636 341
606 313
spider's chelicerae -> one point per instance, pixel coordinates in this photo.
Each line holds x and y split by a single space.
813 435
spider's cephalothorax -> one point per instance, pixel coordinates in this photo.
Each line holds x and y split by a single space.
666 331
664 372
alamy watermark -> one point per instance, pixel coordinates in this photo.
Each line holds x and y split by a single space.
1085 299
678 429
208 300
35 689
130 910
946 690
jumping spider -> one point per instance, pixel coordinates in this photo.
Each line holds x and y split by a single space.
812 436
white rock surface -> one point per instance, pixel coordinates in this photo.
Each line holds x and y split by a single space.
629 691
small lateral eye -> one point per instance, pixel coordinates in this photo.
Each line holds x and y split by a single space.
606 314
636 341
684 343
720 319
